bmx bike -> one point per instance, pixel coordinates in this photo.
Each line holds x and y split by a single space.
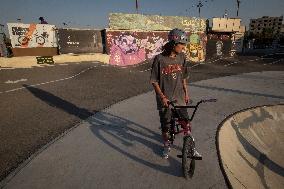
179 124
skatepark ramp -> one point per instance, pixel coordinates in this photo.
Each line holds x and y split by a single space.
250 146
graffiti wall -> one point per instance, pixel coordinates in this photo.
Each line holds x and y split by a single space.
130 47
133 47
3 49
237 43
218 45
79 41
155 22
196 48
32 35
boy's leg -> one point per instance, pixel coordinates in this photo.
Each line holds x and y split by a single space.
165 116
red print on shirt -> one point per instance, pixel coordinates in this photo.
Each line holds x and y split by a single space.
173 68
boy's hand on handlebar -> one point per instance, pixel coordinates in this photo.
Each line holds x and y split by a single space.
165 101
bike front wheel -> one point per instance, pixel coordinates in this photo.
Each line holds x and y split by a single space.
188 163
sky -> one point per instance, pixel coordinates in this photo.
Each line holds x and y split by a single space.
94 13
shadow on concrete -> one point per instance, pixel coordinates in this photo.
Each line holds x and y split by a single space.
127 132
263 160
59 103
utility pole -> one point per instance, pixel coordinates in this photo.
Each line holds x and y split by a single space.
136 6
238 7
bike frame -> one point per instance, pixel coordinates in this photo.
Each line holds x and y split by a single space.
186 128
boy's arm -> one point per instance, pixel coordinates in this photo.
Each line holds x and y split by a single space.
160 93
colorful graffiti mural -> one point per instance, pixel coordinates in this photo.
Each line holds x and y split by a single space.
79 41
32 35
133 47
119 21
196 49
130 47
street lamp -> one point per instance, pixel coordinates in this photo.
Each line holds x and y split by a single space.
199 5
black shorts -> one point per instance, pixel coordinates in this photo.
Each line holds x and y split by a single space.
165 117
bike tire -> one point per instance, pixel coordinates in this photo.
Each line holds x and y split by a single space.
188 164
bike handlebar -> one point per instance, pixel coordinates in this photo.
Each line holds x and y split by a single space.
195 107
201 101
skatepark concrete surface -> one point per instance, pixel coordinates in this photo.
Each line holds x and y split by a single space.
251 145
120 147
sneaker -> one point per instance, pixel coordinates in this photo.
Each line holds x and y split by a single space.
166 152
197 155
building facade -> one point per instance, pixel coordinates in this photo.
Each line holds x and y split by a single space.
227 25
231 27
258 25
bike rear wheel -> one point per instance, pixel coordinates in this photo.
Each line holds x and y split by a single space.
188 163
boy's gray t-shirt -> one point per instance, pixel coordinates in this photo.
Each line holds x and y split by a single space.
169 72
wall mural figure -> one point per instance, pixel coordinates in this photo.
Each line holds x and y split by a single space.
219 48
196 48
125 51
128 48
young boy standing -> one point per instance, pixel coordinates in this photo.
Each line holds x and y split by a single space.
168 77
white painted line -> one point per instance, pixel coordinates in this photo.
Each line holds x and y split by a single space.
146 70
231 64
273 62
16 81
266 58
195 65
71 77
7 68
